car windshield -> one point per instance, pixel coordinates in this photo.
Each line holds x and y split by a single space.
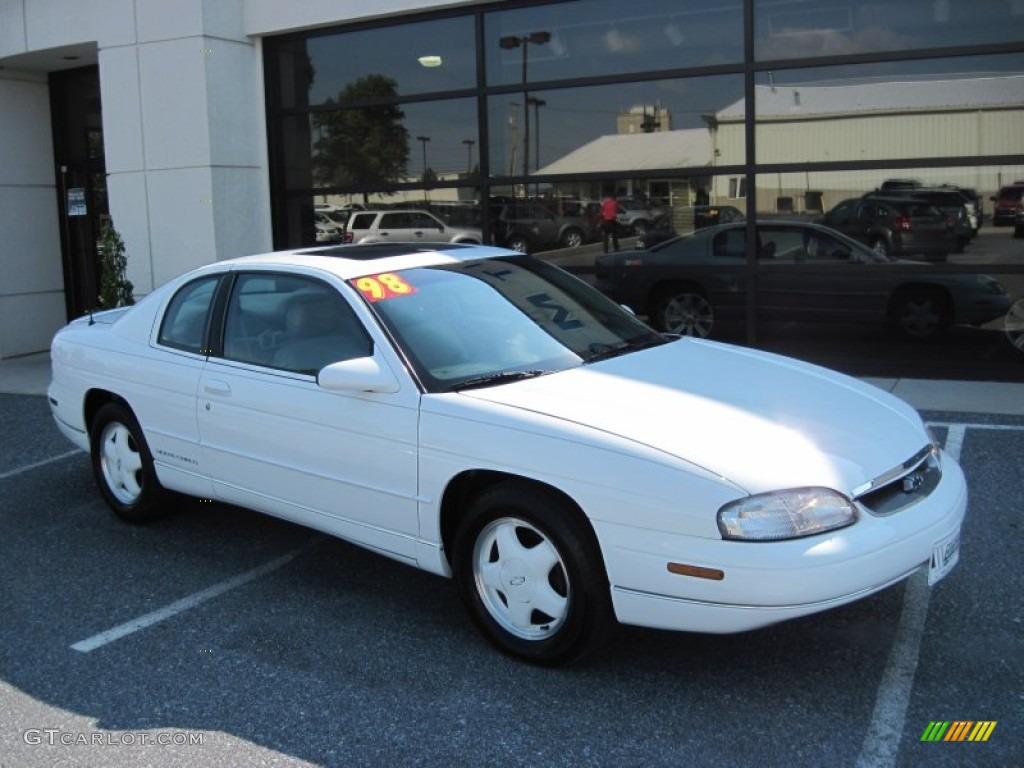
490 321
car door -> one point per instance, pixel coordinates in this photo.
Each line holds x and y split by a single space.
164 400
807 274
425 228
342 462
396 227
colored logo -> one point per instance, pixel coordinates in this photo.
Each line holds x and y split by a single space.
959 730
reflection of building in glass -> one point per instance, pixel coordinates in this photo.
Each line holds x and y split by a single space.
647 156
644 118
869 121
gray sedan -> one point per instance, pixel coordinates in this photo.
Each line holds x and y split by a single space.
806 272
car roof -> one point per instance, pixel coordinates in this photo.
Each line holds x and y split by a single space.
349 261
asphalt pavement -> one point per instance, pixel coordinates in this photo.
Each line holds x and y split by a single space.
221 637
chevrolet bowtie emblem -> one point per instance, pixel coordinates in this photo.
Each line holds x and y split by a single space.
912 482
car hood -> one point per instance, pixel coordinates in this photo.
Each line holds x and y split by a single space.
757 420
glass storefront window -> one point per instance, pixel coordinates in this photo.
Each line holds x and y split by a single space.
789 29
629 127
884 232
608 37
967 106
382 147
425 57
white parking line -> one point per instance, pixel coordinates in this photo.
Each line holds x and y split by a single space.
43 463
196 598
882 742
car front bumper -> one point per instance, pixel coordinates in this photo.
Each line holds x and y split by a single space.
767 582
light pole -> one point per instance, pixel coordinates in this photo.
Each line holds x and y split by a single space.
537 104
523 41
423 140
469 155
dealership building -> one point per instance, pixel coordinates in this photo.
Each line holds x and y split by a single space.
209 129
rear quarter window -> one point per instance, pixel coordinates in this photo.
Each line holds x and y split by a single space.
187 316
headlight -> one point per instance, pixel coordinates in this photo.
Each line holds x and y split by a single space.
785 514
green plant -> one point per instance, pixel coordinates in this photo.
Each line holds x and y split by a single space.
115 287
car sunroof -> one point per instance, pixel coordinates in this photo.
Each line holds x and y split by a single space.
371 251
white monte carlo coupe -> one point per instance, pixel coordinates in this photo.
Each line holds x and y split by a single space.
486 416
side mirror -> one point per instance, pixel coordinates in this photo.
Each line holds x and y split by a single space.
361 374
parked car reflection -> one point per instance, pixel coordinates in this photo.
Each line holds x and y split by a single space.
808 273
703 216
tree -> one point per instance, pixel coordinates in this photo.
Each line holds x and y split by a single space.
366 147
115 287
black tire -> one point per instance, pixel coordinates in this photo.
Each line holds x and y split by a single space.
572 238
123 466
519 243
640 227
555 614
920 313
685 310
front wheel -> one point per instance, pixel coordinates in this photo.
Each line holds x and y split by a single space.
572 238
531 575
518 243
123 466
686 311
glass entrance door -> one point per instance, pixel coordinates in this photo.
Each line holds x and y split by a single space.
81 182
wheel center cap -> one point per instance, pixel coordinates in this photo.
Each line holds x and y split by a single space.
513 575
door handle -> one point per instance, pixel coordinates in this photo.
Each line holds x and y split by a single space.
217 387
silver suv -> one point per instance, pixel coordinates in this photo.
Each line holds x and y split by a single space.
636 216
404 226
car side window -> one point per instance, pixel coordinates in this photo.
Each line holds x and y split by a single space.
187 316
842 213
360 221
290 322
394 221
423 221
730 244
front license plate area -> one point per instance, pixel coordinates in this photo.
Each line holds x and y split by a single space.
945 555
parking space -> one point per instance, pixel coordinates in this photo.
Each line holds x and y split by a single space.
255 642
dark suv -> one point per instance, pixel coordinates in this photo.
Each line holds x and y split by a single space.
529 226
952 202
894 226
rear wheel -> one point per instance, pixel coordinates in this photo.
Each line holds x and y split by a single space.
123 466
881 247
531 575
684 309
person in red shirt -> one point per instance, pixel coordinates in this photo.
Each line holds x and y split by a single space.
609 227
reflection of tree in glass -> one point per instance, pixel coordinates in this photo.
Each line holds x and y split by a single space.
367 147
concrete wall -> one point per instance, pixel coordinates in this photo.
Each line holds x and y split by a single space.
184 133
31 278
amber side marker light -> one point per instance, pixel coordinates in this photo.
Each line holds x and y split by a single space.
696 571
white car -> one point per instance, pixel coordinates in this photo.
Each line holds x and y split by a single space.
410 226
486 416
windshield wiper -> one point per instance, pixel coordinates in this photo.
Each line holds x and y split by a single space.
502 377
627 347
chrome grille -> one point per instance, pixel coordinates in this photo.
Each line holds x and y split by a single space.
902 486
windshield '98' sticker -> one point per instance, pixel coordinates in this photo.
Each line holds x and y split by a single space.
383 286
